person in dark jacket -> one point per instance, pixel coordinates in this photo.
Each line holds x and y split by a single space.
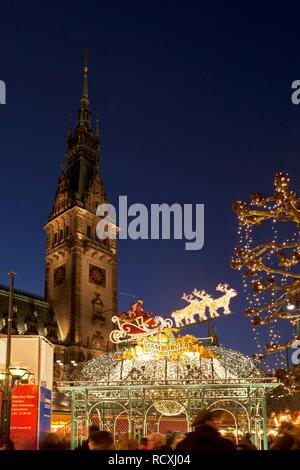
245 443
288 438
6 444
205 435
85 444
101 440
53 441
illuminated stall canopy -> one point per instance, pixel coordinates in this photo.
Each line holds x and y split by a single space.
157 379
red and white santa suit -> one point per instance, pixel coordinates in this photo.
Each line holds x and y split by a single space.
136 310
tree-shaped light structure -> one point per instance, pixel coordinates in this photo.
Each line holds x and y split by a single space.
271 268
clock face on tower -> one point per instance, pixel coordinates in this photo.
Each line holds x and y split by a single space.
59 275
97 275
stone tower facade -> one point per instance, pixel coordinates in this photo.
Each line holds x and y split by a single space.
81 270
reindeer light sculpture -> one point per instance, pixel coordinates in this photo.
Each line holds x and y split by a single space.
202 304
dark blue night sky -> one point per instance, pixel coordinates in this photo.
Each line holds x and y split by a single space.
195 107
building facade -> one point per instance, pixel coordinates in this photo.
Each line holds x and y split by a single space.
81 270
32 315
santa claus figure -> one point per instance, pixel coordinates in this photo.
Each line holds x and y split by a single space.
136 310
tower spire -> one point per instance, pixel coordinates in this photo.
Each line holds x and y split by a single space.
84 113
85 87
97 132
70 132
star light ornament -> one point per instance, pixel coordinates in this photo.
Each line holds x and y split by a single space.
270 268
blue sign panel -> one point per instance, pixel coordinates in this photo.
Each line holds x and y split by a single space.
45 412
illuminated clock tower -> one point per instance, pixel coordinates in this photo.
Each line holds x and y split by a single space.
81 270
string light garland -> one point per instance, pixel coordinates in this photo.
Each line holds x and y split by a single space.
270 270
226 363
